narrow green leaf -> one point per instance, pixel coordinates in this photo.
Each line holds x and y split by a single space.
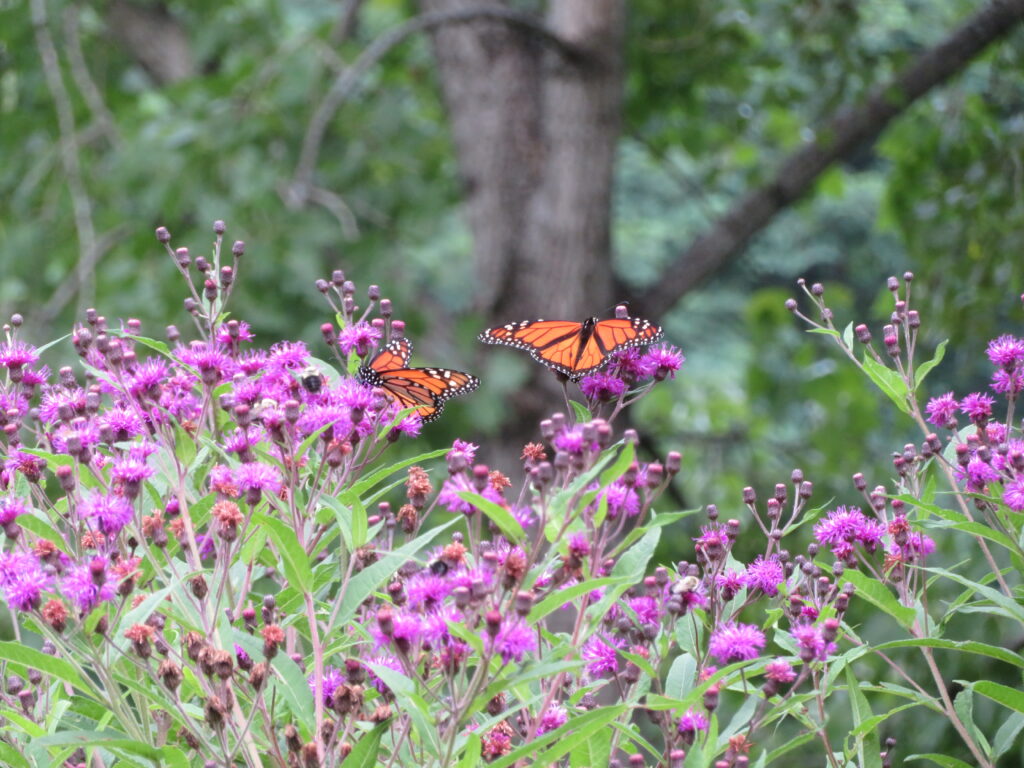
358 519
848 335
961 646
471 756
944 760
364 753
868 744
184 446
557 599
293 556
106 739
12 757
497 514
288 678
887 380
362 486
879 596
580 412
925 368
59 668
1011 698
618 468
680 676
1006 736
1011 606
595 751
412 704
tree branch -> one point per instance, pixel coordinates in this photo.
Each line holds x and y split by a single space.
849 129
347 82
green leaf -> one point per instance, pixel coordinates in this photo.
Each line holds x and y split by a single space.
962 646
944 760
497 514
110 740
471 756
566 738
293 556
887 380
1011 698
925 368
1009 605
879 596
184 446
11 757
362 486
557 599
580 412
680 676
868 744
288 678
618 468
358 518
595 751
1006 736
412 704
364 753
59 668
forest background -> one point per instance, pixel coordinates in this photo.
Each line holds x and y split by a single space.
489 161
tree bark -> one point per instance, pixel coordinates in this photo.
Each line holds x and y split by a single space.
847 131
154 38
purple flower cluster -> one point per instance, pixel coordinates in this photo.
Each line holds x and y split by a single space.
628 369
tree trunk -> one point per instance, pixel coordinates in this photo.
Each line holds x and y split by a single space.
536 127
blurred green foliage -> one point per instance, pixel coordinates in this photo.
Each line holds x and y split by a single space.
717 93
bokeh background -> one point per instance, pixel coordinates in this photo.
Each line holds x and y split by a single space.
495 160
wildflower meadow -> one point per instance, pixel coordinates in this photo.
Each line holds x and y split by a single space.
217 554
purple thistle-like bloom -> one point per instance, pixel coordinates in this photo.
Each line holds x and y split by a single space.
601 655
622 499
848 525
664 361
410 426
941 410
287 356
211 363
384 660
917 547
646 610
466 448
427 590
631 364
15 355
359 337
514 641
435 625
554 717
257 476
332 679
736 642
86 590
1007 351
780 671
131 469
691 722
979 474
811 642
1007 382
244 333
977 405
765 574
602 387
122 423
23 580
1013 495
252 361
56 399
147 377
713 541
10 508
110 511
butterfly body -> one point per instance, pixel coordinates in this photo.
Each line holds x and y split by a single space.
573 348
425 389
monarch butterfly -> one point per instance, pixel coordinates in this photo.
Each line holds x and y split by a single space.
574 349
425 389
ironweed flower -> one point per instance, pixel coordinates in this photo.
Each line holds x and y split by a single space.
732 641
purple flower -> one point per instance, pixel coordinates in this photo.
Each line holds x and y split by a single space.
58 399
1006 351
765 574
602 387
146 378
572 441
1007 382
410 426
847 526
23 580
942 410
10 508
466 448
15 355
213 365
621 498
664 360
86 584
435 624
780 671
244 333
122 424
631 364
252 361
646 610
329 683
554 717
917 548
514 641
110 511
736 642
601 655
257 476
811 642
691 722
427 590
359 337
131 469
389 662
287 356
979 474
977 406
713 541
1013 495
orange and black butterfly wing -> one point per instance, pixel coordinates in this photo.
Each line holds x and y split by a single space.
394 355
622 333
425 389
555 343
